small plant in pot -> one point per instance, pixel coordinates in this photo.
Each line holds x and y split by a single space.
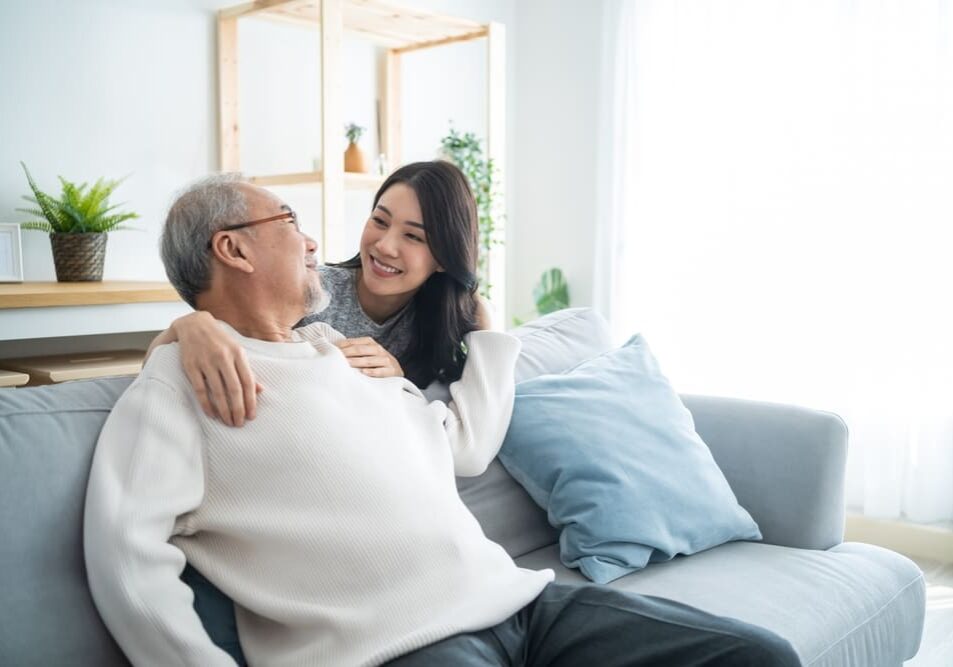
354 157
78 224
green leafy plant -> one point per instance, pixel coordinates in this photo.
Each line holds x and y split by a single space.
80 209
353 132
550 294
466 151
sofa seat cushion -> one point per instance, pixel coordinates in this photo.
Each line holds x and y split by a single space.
854 604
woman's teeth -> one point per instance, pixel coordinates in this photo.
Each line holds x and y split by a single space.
384 267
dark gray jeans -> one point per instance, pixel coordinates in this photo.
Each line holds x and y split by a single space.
595 626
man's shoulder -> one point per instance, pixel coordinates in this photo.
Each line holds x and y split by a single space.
318 333
160 388
164 365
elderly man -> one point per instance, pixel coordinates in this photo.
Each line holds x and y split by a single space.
332 520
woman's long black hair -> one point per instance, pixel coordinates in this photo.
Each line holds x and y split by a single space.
445 306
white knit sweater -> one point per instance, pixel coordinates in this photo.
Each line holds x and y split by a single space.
332 519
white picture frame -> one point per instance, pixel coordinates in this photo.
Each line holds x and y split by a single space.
11 253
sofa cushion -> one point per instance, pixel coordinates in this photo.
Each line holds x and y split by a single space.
47 437
855 604
612 454
551 344
559 341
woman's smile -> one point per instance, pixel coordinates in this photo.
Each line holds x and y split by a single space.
384 270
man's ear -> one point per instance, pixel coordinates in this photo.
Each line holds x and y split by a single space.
231 250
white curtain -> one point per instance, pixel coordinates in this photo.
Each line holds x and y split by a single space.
777 206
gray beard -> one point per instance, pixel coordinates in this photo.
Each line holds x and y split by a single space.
316 298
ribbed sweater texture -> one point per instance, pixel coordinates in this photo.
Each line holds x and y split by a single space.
332 519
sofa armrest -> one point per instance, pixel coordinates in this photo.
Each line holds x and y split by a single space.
785 464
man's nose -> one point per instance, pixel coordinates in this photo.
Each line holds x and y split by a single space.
310 244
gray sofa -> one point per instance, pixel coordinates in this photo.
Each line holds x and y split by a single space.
838 603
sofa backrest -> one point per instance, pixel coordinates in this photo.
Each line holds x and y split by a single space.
47 438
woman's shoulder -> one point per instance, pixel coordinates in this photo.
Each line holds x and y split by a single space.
338 282
336 276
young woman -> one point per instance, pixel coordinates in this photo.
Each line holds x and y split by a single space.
405 300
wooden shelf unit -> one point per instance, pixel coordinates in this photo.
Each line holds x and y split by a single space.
398 30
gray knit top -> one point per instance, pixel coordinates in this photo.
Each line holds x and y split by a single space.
346 315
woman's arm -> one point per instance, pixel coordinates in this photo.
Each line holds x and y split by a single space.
484 321
216 365
477 417
369 357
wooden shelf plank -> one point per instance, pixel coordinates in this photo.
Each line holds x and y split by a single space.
352 181
65 367
466 37
45 294
13 378
261 6
298 178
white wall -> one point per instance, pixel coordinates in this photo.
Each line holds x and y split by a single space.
116 87
106 88
553 196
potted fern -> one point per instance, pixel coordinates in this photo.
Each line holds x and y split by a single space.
78 223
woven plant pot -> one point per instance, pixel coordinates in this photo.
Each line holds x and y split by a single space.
79 257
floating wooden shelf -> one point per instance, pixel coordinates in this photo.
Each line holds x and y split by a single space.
45 294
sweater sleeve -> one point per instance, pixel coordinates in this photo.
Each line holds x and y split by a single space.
147 475
478 416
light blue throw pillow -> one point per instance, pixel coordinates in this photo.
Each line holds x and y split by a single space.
610 452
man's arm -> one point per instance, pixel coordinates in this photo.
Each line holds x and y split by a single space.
477 418
147 472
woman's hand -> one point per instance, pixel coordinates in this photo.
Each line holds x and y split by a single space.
216 365
370 357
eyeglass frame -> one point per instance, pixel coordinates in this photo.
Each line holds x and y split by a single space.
251 223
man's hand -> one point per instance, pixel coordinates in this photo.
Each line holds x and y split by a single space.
370 357
216 365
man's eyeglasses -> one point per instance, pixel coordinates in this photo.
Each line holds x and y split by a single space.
286 215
